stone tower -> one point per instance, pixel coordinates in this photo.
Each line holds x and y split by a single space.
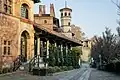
66 20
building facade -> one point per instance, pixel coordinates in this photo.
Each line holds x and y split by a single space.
16 30
23 33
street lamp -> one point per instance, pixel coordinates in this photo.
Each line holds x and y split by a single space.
100 60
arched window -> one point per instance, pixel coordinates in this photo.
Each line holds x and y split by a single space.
69 23
61 14
69 14
24 11
8 6
65 14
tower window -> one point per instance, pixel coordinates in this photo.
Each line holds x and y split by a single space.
65 14
61 14
24 11
69 23
69 14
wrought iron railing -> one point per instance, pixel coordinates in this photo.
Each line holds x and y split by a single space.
17 63
36 61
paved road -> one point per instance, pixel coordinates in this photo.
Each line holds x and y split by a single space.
84 73
101 75
68 75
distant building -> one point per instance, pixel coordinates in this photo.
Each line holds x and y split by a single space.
86 43
86 50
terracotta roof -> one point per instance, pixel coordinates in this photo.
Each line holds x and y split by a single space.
57 34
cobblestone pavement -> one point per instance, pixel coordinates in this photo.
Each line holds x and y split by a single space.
101 75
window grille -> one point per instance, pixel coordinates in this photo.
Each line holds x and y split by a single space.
24 11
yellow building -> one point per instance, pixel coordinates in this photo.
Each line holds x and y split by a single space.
86 44
16 30
86 50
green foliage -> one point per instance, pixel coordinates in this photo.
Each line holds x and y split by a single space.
52 59
108 46
54 69
76 52
64 58
64 68
36 1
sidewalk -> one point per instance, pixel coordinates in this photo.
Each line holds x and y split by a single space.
102 75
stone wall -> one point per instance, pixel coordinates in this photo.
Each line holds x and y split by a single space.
8 32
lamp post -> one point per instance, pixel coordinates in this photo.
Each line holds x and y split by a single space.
100 60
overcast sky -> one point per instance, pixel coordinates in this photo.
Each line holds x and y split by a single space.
91 15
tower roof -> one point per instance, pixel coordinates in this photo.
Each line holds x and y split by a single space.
66 8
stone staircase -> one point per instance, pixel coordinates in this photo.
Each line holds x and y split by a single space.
36 62
29 67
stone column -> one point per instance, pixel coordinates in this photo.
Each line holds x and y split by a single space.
38 46
47 44
61 47
66 47
48 48
55 44
70 47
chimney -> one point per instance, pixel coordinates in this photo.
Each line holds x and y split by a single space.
40 10
44 9
52 13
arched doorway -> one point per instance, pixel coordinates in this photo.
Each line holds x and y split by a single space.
23 46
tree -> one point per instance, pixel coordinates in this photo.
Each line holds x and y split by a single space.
36 1
76 52
104 48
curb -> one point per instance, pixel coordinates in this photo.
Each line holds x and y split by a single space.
63 72
10 73
5 74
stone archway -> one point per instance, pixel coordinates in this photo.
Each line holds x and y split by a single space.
23 45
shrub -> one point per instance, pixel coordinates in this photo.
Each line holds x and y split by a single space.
64 68
5 70
70 68
54 69
51 70
57 69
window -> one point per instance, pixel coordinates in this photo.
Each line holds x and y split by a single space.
24 11
7 48
69 14
69 23
45 21
65 14
61 14
8 6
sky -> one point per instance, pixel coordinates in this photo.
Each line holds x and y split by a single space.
92 16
